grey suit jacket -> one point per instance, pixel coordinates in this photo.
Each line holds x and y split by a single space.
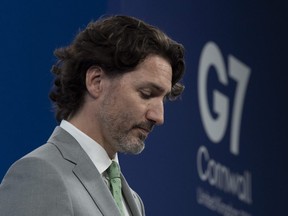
59 178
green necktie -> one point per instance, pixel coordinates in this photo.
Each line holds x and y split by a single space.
114 177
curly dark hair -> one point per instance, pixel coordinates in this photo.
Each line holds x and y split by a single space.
117 44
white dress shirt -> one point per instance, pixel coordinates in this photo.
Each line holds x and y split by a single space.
95 151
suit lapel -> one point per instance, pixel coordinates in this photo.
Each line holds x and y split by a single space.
95 186
130 199
85 171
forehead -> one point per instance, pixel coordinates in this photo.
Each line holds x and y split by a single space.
154 70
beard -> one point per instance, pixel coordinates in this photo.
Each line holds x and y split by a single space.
120 132
128 144
133 140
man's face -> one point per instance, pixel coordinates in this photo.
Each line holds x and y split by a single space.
133 104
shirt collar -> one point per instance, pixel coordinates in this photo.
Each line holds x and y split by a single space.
94 150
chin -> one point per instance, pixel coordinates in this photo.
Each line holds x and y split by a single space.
133 148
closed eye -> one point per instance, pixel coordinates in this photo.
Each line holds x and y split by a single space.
146 94
152 90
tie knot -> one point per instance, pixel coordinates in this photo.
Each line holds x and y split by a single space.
114 170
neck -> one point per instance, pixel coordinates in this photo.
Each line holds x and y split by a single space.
84 122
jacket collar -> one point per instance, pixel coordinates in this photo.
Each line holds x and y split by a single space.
89 176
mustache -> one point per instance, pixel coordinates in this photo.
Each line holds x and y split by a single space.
148 126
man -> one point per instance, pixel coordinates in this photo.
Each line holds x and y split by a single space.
110 86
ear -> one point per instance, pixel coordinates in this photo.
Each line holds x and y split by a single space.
94 77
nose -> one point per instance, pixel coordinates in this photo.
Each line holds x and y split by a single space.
155 113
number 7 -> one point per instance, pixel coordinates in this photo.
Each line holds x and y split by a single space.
240 73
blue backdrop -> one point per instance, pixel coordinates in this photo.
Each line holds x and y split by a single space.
224 142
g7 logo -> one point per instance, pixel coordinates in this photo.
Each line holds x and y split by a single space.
216 127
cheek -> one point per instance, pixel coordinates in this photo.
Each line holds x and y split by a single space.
131 103
129 106
130 116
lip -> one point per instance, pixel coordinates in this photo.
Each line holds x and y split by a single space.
145 130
